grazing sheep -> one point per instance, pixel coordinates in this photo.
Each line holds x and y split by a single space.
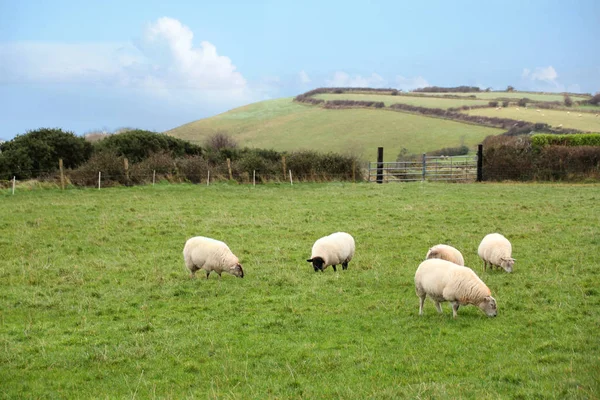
210 255
337 248
579 115
538 110
517 108
445 252
568 112
445 281
496 250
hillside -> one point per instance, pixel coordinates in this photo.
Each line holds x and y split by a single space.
283 124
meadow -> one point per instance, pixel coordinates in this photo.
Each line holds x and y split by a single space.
535 96
568 119
419 101
283 124
96 303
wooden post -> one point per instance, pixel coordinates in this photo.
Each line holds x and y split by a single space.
62 174
99 178
284 166
126 165
253 177
229 168
153 177
208 179
380 165
424 166
291 182
14 183
479 163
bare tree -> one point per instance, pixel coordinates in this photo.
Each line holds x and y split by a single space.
220 140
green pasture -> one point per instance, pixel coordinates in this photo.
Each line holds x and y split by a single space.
96 302
568 119
535 96
420 101
285 125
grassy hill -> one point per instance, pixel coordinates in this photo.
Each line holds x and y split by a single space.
283 124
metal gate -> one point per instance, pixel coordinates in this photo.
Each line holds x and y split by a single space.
430 168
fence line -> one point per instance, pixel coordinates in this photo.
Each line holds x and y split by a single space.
431 168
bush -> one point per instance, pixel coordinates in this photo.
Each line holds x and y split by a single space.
193 168
137 145
595 100
583 139
450 151
220 140
567 100
493 104
505 103
507 157
37 152
523 102
510 89
109 163
567 162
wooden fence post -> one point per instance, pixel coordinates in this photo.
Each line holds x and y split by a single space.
479 162
126 165
62 174
284 165
380 165
291 182
153 177
253 177
229 168
208 179
13 185
99 179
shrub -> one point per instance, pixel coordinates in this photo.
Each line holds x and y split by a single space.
220 140
507 157
595 100
523 102
505 103
192 168
493 104
37 152
137 145
108 162
163 163
567 100
394 92
510 88
567 162
584 139
450 151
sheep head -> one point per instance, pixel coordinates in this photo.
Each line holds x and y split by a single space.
488 306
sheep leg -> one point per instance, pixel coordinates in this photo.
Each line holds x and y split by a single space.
334 269
207 274
421 303
455 306
345 265
485 265
438 306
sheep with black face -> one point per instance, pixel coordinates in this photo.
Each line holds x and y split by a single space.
337 248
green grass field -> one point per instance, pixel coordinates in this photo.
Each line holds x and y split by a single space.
544 97
569 119
429 102
284 125
95 301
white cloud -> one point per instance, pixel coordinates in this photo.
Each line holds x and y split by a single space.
342 79
304 78
411 83
545 74
164 62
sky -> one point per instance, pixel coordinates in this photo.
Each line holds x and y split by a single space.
87 66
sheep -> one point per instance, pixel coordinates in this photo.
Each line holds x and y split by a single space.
568 112
579 115
337 248
445 252
210 255
445 281
496 250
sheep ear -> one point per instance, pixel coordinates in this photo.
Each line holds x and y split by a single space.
310 260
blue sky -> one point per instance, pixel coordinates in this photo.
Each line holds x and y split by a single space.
102 65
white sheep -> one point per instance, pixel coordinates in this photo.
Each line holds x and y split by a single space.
445 281
445 252
496 250
337 248
210 255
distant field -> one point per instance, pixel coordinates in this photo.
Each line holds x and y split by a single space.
412 100
96 303
514 95
285 125
587 121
